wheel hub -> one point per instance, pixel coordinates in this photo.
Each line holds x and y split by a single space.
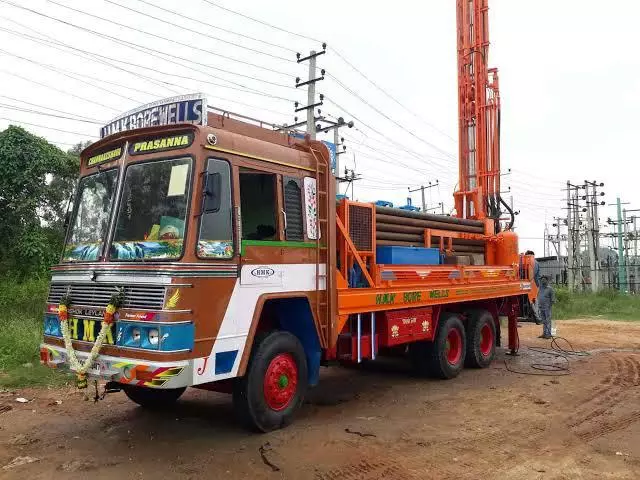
280 381
454 346
486 340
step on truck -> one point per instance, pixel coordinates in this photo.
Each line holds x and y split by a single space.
209 250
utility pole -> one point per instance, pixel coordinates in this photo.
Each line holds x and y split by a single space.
422 188
337 141
311 89
622 268
570 275
631 264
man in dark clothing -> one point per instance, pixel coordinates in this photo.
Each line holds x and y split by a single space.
546 299
536 268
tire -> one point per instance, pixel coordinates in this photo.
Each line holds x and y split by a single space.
274 385
153 398
438 358
481 339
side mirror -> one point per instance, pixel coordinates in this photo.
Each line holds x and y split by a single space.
212 193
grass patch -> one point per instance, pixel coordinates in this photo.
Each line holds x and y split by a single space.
608 304
21 314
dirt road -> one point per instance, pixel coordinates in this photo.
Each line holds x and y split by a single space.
374 422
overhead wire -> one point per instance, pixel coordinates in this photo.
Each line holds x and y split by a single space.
217 27
6 72
66 117
151 34
387 94
262 22
148 15
389 118
53 43
47 127
176 59
69 75
184 77
49 108
351 91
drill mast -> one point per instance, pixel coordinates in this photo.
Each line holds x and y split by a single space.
478 195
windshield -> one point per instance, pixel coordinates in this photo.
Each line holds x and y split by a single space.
91 217
152 212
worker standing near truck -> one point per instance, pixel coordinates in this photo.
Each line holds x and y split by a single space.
546 299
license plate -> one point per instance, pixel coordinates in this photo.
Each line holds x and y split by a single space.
87 330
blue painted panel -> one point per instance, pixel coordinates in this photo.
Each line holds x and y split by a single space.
295 317
52 326
225 361
171 337
395 255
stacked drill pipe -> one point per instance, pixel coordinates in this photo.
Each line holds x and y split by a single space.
406 228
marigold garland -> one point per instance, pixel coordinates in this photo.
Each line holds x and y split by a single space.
107 321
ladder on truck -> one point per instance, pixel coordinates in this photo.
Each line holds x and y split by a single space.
325 301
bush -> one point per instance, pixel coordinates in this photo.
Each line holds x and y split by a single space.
21 320
609 304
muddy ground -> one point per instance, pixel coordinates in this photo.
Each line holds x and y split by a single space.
372 422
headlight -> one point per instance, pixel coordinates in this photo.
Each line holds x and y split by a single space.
154 336
135 335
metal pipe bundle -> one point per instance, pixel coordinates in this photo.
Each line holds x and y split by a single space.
406 228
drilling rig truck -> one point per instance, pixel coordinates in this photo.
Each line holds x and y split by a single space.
206 250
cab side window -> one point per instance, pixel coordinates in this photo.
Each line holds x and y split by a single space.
258 205
216 224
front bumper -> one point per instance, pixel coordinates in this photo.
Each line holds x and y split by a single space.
123 370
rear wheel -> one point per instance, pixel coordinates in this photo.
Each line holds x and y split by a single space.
444 357
273 388
481 339
153 398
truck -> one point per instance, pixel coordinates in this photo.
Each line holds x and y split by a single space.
208 250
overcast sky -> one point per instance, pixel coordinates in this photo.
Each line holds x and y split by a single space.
569 83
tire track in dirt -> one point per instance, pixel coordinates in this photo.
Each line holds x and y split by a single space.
610 427
365 470
624 374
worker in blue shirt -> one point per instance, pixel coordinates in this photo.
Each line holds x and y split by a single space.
546 299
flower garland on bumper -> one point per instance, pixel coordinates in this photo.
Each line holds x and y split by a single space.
107 321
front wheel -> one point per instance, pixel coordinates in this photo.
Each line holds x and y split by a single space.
273 387
153 398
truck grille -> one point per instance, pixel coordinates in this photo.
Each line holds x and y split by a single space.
147 297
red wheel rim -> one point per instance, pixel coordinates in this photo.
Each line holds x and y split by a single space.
280 381
454 346
486 340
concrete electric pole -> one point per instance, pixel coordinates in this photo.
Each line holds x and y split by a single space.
311 89
422 188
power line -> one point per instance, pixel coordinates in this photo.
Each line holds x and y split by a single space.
146 14
388 95
261 21
52 109
129 27
244 89
91 56
211 25
57 89
28 110
68 75
45 126
383 114
343 58
146 50
52 42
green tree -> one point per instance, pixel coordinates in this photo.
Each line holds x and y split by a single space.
36 182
